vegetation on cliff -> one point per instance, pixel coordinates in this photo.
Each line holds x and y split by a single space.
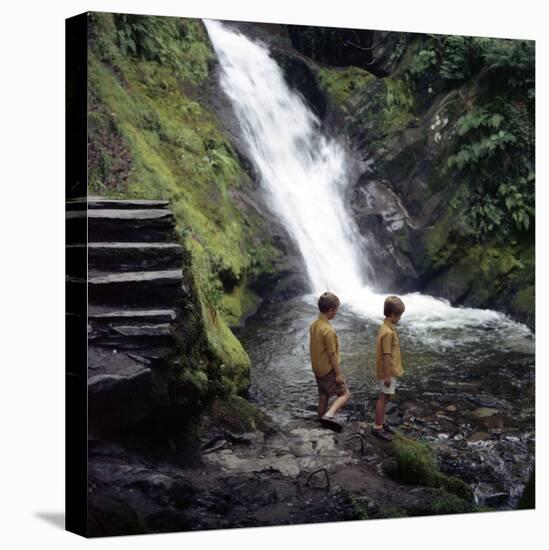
151 135
452 132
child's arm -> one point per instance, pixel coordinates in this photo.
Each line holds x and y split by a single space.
330 341
387 360
335 365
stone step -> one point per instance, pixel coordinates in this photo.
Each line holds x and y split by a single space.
123 398
136 287
130 337
135 256
119 225
92 202
133 316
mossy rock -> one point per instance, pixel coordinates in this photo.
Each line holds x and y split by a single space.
416 464
458 487
448 503
237 415
524 304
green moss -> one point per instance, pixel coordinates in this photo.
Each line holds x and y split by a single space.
390 512
237 415
525 300
458 487
237 304
448 503
342 84
145 75
416 464
359 510
482 508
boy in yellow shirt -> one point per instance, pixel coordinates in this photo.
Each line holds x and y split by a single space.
324 350
388 363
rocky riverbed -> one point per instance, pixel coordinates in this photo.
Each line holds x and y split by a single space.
267 461
300 474
468 392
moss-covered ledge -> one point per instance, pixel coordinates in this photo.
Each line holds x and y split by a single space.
152 135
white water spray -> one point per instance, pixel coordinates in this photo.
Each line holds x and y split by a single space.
304 173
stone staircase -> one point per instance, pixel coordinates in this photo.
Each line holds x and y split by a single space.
136 293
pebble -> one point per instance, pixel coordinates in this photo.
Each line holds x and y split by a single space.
484 412
451 408
479 436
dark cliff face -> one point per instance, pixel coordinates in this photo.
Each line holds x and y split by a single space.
376 51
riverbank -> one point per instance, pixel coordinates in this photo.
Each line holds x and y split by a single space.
230 475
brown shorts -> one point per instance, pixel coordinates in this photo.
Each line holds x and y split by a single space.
327 385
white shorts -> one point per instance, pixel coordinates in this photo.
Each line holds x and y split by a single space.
387 390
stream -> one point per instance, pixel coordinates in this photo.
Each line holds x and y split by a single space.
468 391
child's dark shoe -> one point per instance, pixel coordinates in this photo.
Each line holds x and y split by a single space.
380 434
329 422
388 428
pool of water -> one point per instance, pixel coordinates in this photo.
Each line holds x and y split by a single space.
467 389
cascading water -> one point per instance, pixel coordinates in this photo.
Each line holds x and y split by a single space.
305 175
303 171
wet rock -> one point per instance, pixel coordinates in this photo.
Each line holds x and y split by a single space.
111 515
479 436
484 412
496 499
495 422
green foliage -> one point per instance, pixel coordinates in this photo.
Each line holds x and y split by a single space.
173 42
424 60
489 138
503 199
343 84
458 58
495 145
399 103
495 141
512 62
452 58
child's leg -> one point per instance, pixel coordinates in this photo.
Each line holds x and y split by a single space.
322 404
339 402
380 410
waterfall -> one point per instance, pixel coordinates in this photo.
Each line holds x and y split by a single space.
304 174
302 170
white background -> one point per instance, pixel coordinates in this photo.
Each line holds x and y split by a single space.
32 287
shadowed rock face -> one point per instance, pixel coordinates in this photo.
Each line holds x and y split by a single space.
368 49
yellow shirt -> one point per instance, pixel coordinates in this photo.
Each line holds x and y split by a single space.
323 341
387 341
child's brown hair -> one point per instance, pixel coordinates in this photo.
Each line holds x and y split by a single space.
328 301
393 305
